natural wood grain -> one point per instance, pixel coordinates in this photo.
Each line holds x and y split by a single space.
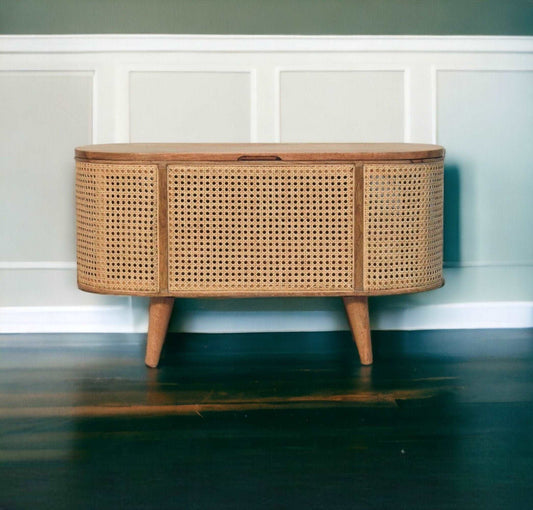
283 420
357 313
163 229
286 152
358 214
258 294
159 315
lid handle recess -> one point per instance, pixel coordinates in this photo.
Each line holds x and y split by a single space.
259 157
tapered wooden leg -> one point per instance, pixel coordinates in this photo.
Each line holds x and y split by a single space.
357 312
159 315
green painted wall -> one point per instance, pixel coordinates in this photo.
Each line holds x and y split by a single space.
393 17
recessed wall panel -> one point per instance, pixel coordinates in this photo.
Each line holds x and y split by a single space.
342 106
485 121
190 106
43 116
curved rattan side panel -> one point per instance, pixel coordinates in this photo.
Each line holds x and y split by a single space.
261 228
117 227
403 226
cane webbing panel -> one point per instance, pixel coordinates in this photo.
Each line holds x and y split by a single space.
117 227
261 227
403 225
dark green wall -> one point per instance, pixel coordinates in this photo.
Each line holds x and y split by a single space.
446 17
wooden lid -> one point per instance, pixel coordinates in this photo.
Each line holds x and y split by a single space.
258 151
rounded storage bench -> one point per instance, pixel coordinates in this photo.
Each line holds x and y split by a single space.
251 220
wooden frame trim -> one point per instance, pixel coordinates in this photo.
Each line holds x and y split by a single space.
255 294
358 218
163 228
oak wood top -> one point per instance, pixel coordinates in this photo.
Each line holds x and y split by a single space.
258 151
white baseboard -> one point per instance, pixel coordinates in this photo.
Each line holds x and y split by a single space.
445 316
108 319
66 319
479 315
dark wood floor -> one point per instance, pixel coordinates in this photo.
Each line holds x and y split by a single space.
268 421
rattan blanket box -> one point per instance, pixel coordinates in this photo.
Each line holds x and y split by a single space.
255 220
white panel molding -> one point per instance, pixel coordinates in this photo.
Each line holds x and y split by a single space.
127 71
121 103
111 58
19 66
472 68
259 43
61 69
254 107
277 103
105 99
434 99
418 105
350 68
407 114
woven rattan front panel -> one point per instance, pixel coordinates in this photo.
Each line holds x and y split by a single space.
253 228
403 226
117 227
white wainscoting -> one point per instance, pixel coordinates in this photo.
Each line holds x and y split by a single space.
472 94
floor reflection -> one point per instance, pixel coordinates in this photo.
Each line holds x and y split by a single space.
262 421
